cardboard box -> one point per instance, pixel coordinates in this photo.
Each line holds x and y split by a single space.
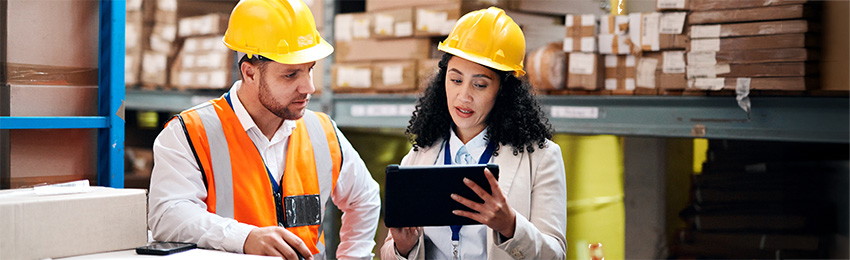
585 71
203 63
614 24
750 29
662 70
780 12
719 5
394 75
781 41
581 33
667 5
392 49
783 83
352 26
202 25
614 44
162 38
525 20
351 77
620 73
465 5
426 70
644 31
52 33
50 226
559 7
393 23
836 37
436 20
672 31
753 56
154 69
546 67
783 69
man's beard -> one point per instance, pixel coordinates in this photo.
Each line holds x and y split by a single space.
280 110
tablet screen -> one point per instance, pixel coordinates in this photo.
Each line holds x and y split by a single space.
421 195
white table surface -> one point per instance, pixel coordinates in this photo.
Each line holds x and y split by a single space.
204 254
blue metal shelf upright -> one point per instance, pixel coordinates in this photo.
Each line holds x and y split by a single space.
110 119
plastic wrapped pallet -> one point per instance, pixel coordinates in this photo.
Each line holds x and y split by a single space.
546 67
581 33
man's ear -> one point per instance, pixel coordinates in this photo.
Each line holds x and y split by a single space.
249 71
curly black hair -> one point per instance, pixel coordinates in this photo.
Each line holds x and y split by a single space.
517 118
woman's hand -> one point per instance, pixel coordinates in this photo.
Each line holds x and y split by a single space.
405 238
494 212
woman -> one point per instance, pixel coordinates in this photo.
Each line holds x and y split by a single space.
477 110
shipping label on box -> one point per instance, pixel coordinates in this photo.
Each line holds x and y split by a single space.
646 68
546 67
394 75
52 226
393 23
645 31
352 26
584 71
436 20
351 77
620 73
202 25
664 5
581 33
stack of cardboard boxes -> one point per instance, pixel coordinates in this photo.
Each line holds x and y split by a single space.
203 62
160 17
751 45
392 47
661 42
616 46
585 67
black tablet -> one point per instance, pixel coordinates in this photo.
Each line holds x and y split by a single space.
421 195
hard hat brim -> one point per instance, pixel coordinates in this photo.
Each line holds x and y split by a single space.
484 61
315 53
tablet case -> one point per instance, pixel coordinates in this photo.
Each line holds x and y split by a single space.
421 195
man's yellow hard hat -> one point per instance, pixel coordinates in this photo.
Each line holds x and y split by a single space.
281 30
488 37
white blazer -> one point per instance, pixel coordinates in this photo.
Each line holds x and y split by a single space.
541 216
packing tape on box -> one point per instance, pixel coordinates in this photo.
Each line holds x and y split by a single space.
29 74
614 24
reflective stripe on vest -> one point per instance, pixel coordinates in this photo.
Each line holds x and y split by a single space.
238 183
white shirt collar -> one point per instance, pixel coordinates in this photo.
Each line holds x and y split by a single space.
475 147
245 119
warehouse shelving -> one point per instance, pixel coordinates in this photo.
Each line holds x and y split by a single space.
109 122
805 119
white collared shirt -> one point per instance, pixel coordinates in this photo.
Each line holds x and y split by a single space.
177 192
473 238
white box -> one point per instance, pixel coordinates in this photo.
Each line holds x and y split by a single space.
50 226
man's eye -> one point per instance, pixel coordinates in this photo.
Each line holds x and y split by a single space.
291 75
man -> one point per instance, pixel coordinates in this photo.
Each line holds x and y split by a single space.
252 171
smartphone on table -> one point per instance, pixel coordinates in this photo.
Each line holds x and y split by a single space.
164 248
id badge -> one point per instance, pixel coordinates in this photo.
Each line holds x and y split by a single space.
303 210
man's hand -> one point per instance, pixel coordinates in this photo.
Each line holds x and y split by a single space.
275 241
405 238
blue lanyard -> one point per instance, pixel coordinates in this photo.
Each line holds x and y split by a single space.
485 158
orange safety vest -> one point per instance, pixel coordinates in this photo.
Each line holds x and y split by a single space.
238 184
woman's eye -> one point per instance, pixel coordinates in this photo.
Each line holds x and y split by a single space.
456 81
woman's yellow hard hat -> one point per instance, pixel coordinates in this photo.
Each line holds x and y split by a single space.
281 30
488 37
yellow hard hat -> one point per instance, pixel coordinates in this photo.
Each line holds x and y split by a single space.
281 30
488 37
